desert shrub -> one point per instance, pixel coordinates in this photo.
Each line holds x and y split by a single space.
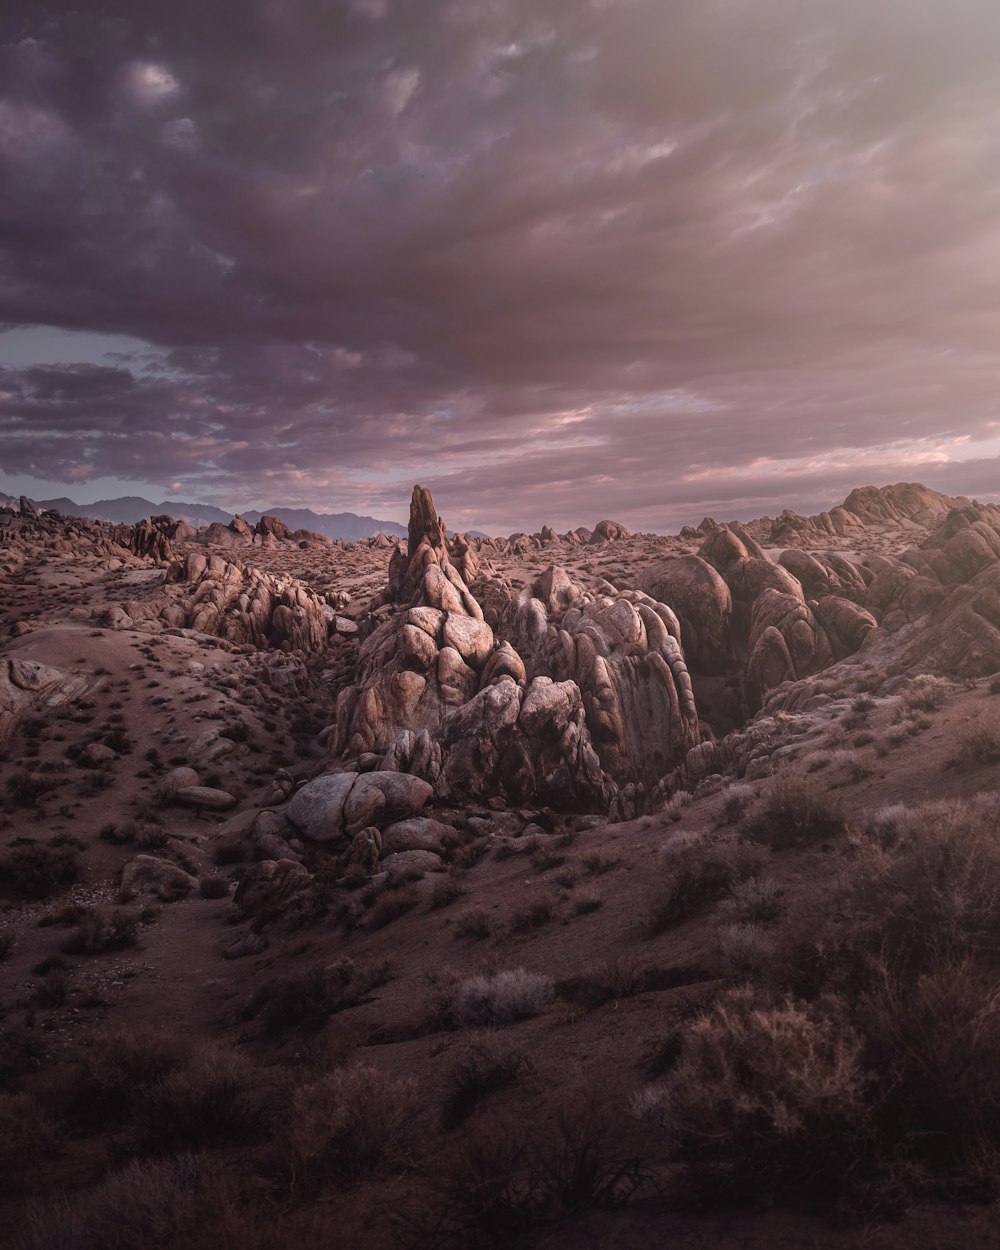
218 1096
389 906
793 811
151 837
351 1123
53 988
480 1071
754 900
979 745
746 949
531 917
27 788
513 994
598 862
585 903
144 1204
697 875
927 692
308 999
765 1095
736 799
27 1137
117 1068
504 1178
445 893
928 879
611 980
544 858
98 932
935 1038
118 835
36 871
474 925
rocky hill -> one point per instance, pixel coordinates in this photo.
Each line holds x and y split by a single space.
580 889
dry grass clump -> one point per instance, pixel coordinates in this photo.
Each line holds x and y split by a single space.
794 811
98 931
979 745
474 925
927 693
480 1071
351 1123
736 800
27 1137
217 1096
502 1179
698 874
117 1069
308 999
37 871
891 969
765 1096
500 998
390 905
187 1202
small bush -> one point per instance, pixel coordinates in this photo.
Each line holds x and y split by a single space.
755 900
927 692
445 893
117 1069
736 799
390 906
766 1096
98 932
514 994
504 1178
698 875
27 788
307 1000
612 980
480 1071
980 745
36 871
793 811
531 917
584 904
218 1096
27 1138
598 862
475 925
352 1123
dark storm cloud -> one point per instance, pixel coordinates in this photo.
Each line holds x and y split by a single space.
647 258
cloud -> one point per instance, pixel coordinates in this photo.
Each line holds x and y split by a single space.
554 258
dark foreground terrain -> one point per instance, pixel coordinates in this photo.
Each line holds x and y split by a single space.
582 890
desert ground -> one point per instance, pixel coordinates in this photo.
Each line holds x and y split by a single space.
569 890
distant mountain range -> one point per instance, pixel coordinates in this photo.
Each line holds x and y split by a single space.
131 508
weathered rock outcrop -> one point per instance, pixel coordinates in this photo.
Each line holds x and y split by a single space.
704 606
24 684
559 696
243 605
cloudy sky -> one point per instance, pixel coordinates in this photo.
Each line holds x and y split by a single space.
555 259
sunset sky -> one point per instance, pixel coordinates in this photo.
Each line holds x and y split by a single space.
645 259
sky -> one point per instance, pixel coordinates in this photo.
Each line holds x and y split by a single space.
557 260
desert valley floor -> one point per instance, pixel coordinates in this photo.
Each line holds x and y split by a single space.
594 889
